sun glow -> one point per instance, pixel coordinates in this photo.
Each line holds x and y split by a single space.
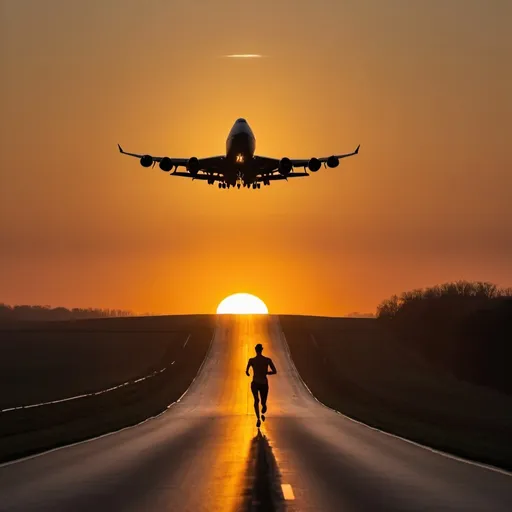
242 304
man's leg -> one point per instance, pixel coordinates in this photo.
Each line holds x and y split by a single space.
264 395
254 389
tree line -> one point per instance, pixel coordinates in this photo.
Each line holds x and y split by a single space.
42 313
462 327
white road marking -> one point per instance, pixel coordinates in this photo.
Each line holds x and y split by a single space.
186 341
76 397
428 448
287 492
91 439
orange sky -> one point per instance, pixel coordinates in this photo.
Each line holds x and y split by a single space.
424 86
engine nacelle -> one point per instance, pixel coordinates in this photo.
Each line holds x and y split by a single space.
314 164
332 161
285 166
166 164
193 165
146 161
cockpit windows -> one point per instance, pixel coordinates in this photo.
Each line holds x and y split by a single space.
241 120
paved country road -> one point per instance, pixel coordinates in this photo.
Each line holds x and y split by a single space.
206 454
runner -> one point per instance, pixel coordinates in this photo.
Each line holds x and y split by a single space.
259 382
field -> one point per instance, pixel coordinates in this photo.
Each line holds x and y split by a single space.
352 365
356 367
49 361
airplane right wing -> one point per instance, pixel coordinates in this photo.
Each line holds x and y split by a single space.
148 160
198 168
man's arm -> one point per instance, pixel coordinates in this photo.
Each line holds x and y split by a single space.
272 367
247 369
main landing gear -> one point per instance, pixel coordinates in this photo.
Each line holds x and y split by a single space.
254 186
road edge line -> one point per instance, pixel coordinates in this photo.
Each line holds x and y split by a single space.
90 439
410 441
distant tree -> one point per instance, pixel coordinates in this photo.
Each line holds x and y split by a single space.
24 312
458 289
463 327
388 308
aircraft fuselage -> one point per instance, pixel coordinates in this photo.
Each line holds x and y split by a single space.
240 144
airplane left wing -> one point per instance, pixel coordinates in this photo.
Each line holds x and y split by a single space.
271 165
325 159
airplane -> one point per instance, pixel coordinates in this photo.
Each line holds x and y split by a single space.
239 166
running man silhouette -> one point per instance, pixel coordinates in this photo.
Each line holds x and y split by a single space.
259 382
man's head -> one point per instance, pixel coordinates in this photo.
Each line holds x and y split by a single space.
258 348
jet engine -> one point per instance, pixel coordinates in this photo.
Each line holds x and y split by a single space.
146 161
285 166
193 165
166 164
332 161
314 164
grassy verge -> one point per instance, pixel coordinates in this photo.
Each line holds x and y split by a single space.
357 368
159 342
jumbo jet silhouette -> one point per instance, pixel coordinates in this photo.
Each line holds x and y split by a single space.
239 166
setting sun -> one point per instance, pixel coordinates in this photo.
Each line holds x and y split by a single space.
242 304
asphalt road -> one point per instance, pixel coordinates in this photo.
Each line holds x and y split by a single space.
205 453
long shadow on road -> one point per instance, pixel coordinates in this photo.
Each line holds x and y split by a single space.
263 481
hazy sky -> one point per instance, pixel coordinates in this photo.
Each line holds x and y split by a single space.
424 86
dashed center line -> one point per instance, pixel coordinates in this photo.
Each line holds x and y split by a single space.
287 492
186 341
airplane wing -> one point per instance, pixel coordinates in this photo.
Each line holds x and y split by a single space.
176 161
210 165
323 160
270 165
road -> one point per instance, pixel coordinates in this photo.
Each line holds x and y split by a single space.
205 453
